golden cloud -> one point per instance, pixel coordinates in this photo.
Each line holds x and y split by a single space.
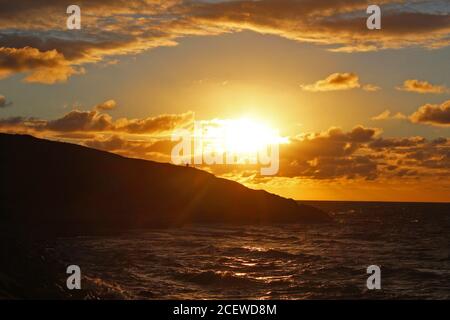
387 115
418 86
339 81
49 53
333 155
106 105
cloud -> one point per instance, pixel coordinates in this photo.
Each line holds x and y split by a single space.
422 87
3 102
44 67
329 155
433 114
338 81
362 134
114 143
80 121
338 23
389 143
153 149
335 81
333 155
430 114
362 153
371 87
160 123
11 122
48 53
106 105
96 121
387 115
382 116
414 156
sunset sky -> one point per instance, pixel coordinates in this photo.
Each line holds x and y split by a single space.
366 112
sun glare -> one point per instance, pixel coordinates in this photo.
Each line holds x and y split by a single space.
240 136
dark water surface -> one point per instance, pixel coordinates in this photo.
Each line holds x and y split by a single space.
409 242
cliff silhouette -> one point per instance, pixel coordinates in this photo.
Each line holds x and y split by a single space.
71 187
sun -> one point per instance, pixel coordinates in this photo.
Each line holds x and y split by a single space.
245 135
240 136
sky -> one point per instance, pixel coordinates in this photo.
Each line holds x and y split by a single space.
366 112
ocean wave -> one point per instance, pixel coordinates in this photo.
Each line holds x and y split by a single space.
289 262
215 278
261 253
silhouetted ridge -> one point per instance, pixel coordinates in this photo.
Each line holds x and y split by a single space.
66 185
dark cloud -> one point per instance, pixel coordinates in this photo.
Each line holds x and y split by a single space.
341 23
12 122
48 53
361 134
44 67
80 121
439 141
95 121
387 143
351 167
114 143
329 155
147 149
414 155
432 114
165 122
360 153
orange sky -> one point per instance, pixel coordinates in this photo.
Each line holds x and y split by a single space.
366 113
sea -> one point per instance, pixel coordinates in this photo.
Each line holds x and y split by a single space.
409 242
